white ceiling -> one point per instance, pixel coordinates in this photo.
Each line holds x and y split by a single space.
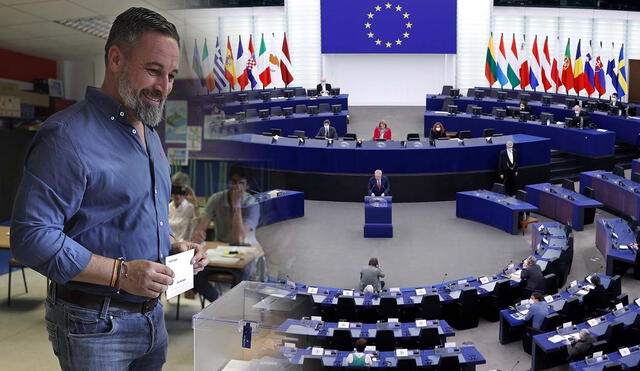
27 25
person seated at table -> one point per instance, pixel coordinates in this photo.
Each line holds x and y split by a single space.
524 106
582 345
437 131
182 214
323 88
359 358
615 104
371 275
597 297
579 117
537 311
378 185
532 275
382 131
327 131
182 179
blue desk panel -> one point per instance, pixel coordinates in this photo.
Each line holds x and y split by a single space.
605 229
553 202
620 194
287 205
635 165
586 142
631 360
233 107
361 330
491 208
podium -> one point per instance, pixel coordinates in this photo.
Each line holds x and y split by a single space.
377 217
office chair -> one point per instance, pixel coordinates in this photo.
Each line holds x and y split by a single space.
449 362
385 340
299 133
407 364
613 366
614 336
304 306
615 286
497 300
276 111
276 131
463 313
572 311
251 112
568 184
300 92
367 314
413 136
342 339
349 136
324 107
599 346
464 134
445 104
388 308
428 338
430 307
312 364
346 309
635 177
488 132
550 322
446 89
471 92
618 170
550 284
301 108
589 192
498 188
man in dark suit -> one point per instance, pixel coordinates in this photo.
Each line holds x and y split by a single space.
327 131
378 184
616 106
323 88
583 342
508 167
579 117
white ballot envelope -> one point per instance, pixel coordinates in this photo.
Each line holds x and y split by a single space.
182 269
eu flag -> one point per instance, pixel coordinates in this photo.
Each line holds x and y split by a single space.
400 26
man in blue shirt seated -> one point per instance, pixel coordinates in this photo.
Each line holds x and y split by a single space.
91 212
537 311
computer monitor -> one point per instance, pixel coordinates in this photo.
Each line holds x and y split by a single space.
336 108
546 118
287 111
243 97
590 105
501 113
546 100
524 116
312 92
312 110
413 136
501 96
452 109
478 94
524 97
241 116
454 93
335 92
288 93
571 102
276 131
513 111
476 111
265 96
568 122
263 113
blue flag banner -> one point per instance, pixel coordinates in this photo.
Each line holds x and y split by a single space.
400 26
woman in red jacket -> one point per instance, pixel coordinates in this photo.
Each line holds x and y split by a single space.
382 131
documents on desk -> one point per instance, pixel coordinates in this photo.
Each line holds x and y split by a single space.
229 254
182 269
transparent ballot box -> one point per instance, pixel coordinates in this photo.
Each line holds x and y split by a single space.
238 331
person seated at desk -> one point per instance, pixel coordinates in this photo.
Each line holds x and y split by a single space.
615 105
382 131
597 297
532 275
182 214
378 185
579 117
437 131
524 106
371 275
323 88
327 131
359 358
582 345
537 311
235 214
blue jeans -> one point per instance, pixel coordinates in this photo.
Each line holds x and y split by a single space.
86 339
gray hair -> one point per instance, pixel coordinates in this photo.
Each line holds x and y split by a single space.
378 171
509 143
584 333
531 260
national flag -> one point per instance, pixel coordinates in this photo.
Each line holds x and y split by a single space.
285 63
513 66
263 57
218 68
545 71
207 68
501 66
611 69
600 81
274 61
197 63
622 75
589 76
251 63
555 68
241 65
230 66
567 71
490 70
578 71
524 67
534 67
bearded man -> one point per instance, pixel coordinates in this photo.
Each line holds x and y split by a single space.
91 211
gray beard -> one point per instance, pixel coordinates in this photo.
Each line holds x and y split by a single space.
149 115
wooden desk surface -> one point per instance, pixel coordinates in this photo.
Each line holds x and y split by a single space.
4 237
244 260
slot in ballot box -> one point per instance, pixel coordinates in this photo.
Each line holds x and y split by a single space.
377 217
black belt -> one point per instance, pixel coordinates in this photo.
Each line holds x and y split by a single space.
95 302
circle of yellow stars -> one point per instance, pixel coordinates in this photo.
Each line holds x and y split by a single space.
387 43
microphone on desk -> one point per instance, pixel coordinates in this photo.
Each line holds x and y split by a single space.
443 278
514 366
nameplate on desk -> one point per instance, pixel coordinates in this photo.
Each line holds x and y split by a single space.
573 283
402 352
343 324
484 280
545 241
601 130
637 301
312 290
619 306
450 345
392 320
317 351
421 323
370 348
347 292
540 228
623 247
421 292
290 345
462 282
316 318
548 298
592 322
567 325
624 352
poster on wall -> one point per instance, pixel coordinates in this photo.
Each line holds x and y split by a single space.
176 121
194 138
213 123
178 156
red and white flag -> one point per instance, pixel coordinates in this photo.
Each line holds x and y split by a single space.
285 63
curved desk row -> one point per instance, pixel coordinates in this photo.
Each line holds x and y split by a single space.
620 194
562 204
495 209
587 142
630 360
417 173
233 107
627 129
613 237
